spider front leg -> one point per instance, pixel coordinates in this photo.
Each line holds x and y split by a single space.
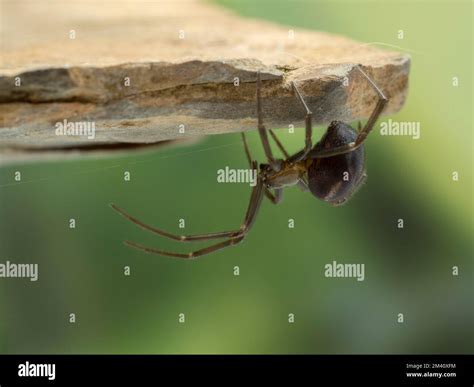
234 237
196 237
194 254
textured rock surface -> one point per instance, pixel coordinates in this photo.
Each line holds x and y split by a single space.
181 60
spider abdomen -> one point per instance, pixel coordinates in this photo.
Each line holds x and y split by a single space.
334 179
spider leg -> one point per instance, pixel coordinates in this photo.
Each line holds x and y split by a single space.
196 237
279 144
235 238
246 148
382 101
308 128
303 185
275 138
276 196
190 238
262 130
194 254
179 238
275 199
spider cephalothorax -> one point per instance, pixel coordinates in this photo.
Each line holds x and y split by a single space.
332 171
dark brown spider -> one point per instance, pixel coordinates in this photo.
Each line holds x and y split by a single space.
332 171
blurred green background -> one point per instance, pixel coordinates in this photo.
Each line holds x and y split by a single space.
407 271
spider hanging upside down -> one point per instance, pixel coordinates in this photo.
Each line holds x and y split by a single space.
319 169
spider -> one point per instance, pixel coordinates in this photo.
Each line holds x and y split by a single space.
332 171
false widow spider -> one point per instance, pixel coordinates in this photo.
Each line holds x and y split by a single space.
320 169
